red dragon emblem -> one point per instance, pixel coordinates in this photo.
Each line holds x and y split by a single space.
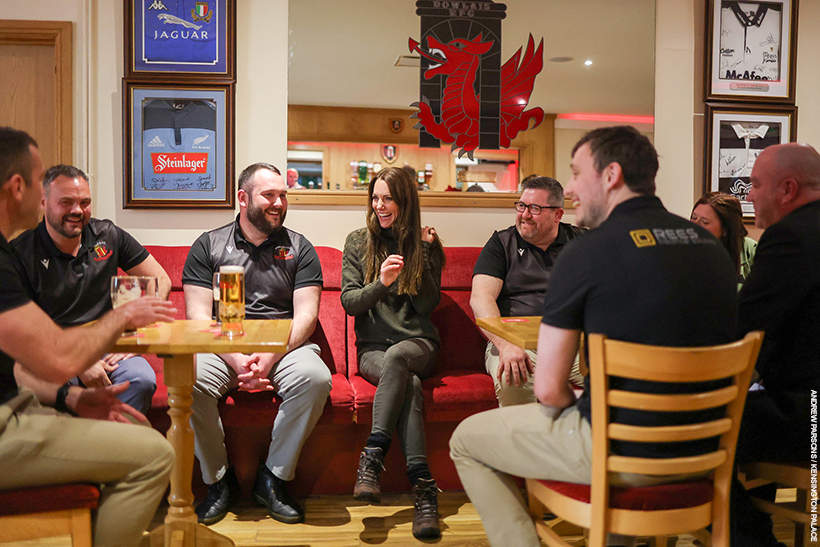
459 60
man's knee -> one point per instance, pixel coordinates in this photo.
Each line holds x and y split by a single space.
458 441
138 372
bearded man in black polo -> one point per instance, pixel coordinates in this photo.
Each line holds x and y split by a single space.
283 280
510 277
642 275
69 260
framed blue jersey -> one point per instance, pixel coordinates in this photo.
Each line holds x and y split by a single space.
192 37
179 145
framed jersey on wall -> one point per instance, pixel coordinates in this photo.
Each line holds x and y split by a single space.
179 141
736 135
189 38
752 50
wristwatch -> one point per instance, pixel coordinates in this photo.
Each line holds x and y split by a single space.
59 402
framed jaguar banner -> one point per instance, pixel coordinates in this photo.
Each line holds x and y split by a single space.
179 145
752 50
191 38
736 135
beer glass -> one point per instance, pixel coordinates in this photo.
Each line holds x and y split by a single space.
215 286
232 300
125 288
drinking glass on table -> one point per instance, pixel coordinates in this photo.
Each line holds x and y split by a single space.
231 300
215 286
125 288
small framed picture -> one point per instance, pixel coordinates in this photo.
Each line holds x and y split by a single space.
752 50
735 136
190 38
179 145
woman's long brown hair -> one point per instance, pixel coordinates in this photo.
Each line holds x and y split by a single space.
406 230
728 210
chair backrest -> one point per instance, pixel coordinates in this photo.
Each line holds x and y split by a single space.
733 363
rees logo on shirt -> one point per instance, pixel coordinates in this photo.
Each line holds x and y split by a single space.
180 162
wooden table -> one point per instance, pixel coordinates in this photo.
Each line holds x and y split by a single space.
521 331
177 343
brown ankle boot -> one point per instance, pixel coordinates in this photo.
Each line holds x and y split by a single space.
371 465
425 519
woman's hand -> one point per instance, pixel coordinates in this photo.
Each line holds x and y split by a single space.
428 234
390 269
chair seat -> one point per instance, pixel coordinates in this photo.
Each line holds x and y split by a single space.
48 498
643 498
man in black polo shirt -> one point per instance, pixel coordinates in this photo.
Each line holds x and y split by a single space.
781 296
39 446
69 260
510 278
640 275
283 280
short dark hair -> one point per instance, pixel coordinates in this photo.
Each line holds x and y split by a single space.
555 192
61 170
625 146
15 154
247 174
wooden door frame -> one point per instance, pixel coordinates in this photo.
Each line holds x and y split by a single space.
57 34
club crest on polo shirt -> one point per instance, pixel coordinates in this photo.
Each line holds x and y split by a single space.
282 253
100 252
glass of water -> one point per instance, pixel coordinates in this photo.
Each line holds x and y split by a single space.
125 288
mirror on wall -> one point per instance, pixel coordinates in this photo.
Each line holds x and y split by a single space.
351 75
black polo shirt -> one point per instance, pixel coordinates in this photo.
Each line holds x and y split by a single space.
13 295
75 290
284 262
524 268
650 277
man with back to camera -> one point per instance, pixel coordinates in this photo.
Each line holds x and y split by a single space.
781 296
39 446
511 276
69 260
283 280
641 274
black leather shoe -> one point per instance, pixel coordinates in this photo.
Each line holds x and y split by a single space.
270 492
221 496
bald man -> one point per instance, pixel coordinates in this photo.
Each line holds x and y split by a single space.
781 296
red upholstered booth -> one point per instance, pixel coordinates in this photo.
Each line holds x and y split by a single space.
329 459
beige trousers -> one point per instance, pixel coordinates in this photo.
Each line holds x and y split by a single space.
510 394
39 447
534 441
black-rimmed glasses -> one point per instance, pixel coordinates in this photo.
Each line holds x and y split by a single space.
520 206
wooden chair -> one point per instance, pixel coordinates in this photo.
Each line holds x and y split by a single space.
49 511
654 511
786 475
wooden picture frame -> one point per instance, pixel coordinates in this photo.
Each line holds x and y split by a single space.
179 145
735 136
188 39
751 55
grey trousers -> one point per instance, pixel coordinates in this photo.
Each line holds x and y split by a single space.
399 402
40 446
303 381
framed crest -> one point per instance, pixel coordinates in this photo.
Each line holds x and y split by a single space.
396 125
752 50
736 135
389 152
189 38
178 149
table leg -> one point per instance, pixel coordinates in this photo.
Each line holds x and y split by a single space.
181 528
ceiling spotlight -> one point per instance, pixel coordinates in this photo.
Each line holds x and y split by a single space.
588 62
561 59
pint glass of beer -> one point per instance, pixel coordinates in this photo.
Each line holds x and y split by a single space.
232 300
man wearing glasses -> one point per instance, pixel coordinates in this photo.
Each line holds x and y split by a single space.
511 276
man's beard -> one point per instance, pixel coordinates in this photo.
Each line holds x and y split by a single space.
58 225
256 216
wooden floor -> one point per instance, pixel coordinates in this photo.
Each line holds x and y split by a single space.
339 521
